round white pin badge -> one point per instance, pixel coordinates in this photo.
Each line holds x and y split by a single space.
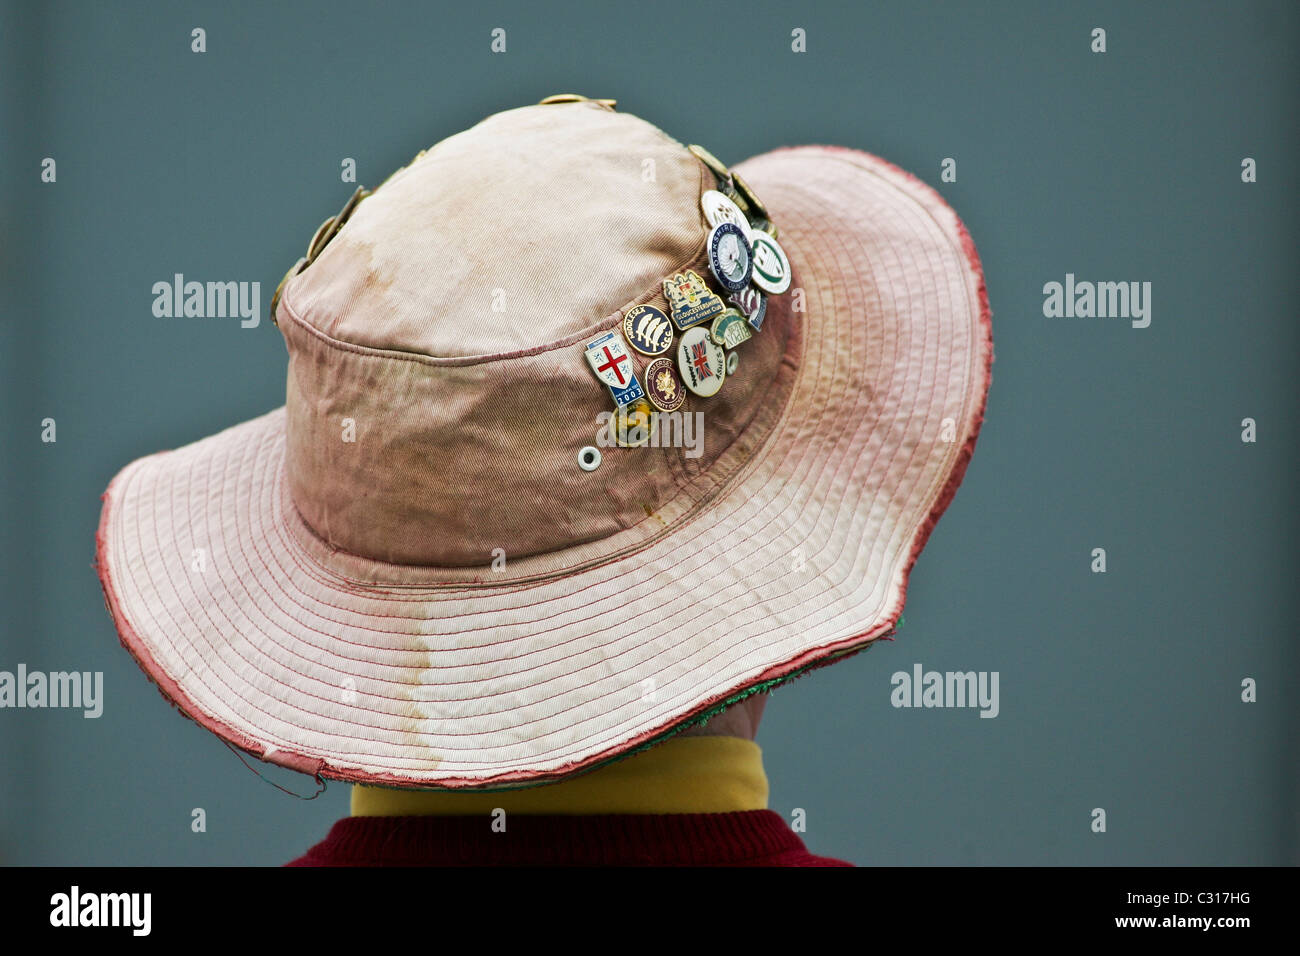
701 362
718 209
771 271
730 260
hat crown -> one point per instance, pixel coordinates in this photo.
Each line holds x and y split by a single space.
517 233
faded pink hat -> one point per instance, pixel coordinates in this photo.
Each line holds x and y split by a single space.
426 569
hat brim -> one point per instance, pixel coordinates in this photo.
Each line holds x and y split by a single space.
218 591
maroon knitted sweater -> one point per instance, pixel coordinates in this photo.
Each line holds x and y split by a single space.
743 838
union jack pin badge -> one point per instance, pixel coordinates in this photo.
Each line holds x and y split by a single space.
702 362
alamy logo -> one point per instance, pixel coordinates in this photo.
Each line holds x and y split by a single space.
75 908
1102 300
663 430
55 689
951 689
208 300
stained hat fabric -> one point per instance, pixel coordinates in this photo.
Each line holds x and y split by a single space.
411 579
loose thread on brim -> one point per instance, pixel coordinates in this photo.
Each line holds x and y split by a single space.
317 777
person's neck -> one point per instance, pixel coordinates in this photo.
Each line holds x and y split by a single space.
685 774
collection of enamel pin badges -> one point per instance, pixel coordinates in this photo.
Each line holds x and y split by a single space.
747 263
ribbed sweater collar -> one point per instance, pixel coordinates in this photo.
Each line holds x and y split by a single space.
675 839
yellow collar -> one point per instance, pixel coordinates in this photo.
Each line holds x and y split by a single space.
709 774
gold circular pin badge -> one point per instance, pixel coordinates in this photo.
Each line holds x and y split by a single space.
575 98
715 165
275 299
326 231
737 199
634 423
754 206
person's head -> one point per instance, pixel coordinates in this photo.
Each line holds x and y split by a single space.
739 720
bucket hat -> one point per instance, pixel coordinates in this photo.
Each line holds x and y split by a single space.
586 436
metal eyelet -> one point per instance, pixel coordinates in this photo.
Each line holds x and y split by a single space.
589 458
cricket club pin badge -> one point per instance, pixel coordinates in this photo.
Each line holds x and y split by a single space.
702 362
719 209
663 386
752 303
689 300
771 267
729 329
647 330
612 364
730 260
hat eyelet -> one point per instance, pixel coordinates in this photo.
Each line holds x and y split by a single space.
589 458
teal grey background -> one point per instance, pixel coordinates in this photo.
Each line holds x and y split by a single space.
1118 690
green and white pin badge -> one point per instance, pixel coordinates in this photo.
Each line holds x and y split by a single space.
771 266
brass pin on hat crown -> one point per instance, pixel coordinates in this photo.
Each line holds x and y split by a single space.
326 231
575 98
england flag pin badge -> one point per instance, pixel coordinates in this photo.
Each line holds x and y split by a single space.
609 359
